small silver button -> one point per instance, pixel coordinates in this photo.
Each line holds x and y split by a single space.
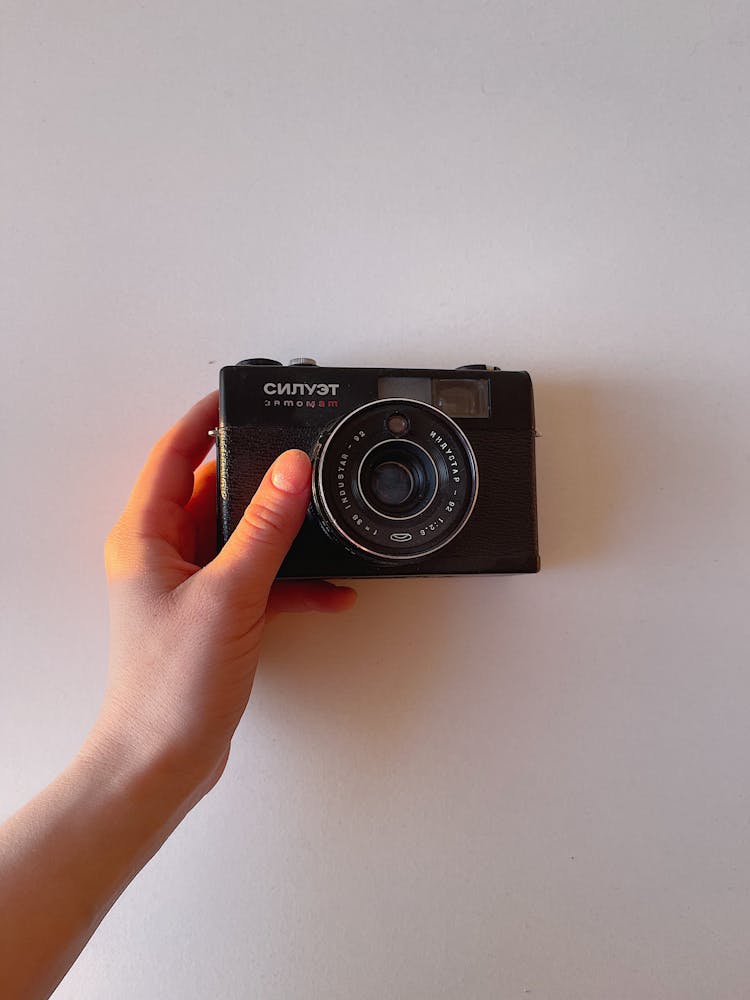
304 362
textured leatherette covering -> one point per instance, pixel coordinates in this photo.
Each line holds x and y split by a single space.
499 537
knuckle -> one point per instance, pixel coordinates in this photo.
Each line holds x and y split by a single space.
120 555
263 523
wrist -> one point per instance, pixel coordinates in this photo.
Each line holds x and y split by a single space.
149 772
66 856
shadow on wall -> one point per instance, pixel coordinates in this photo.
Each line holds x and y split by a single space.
367 672
631 481
608 467
621 465
581 470
373 669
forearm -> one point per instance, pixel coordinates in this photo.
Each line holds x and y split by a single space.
66 856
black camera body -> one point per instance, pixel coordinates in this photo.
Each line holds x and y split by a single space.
416 472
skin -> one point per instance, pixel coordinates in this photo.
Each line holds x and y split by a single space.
185 633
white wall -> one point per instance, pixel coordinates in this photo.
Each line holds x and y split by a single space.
466 789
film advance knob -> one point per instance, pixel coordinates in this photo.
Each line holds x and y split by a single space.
259 361
303 363
478 368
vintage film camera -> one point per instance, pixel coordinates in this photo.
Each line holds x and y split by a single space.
416 472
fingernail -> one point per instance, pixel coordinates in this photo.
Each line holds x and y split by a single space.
291 471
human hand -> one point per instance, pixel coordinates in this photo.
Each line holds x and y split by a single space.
185 623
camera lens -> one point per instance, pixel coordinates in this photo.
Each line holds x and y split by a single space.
397 479
394 491
391 483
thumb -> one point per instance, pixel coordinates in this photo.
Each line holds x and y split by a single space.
246 566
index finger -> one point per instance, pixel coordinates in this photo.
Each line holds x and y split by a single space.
168 472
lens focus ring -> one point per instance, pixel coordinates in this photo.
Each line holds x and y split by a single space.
394 490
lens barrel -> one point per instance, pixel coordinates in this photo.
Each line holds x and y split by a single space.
395 479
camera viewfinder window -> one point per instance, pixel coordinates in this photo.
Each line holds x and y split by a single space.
458 397
462 397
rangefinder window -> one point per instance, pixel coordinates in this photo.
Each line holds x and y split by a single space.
405 388
457 397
